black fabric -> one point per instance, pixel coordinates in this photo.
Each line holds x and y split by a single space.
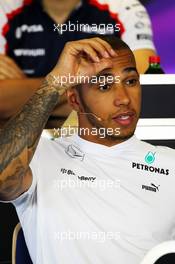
22 254
166 259
49 40
158 101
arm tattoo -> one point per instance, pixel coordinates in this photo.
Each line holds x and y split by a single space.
12 185
25 128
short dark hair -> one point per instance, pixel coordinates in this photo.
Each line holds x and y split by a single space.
115 42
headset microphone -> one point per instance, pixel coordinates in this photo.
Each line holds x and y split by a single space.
98 118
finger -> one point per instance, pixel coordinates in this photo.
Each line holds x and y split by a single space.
12 68
91 48
8 74
98 47
11 63
2 77
77 48
101 46
108 47
91 52
8 71
5 71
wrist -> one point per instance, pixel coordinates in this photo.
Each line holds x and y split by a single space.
53 81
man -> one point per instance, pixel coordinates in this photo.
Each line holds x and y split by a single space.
31 40
101 196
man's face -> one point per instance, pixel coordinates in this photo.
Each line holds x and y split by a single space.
117 104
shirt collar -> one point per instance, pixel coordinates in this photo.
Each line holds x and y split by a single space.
91 147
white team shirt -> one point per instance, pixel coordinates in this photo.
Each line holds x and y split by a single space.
93 204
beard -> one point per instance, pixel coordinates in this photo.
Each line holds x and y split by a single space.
95 123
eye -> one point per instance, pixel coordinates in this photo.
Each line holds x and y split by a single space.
104 87
131 82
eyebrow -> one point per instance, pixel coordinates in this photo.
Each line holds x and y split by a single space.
130 69
104 74
127 70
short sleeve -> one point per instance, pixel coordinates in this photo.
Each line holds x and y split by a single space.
29 198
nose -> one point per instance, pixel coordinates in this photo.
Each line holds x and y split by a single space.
121 96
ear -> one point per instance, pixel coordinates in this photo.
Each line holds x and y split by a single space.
73 99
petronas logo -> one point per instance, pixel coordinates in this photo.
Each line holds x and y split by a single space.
150 157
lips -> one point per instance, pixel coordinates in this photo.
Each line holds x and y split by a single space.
125 118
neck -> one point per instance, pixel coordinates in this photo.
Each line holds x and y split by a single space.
109 142
59 10
90 133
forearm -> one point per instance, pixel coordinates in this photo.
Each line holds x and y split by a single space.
23 131
15 93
